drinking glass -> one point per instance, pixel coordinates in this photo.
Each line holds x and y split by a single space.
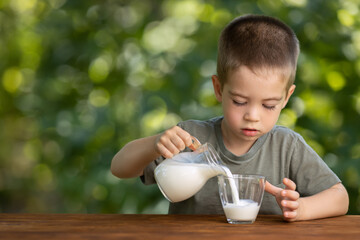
241 197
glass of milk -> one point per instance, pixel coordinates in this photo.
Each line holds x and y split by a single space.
183 175
241 197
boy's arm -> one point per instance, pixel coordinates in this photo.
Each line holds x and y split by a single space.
328 203
131 160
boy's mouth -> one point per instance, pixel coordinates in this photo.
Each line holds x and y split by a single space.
249 132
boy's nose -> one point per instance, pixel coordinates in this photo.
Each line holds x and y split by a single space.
252 114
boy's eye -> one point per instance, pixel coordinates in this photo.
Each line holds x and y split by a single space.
269 107
239 103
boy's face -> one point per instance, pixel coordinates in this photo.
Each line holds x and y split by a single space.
251 103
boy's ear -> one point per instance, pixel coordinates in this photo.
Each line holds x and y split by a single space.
289 93
217 87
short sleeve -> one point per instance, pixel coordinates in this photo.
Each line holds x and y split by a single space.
309 171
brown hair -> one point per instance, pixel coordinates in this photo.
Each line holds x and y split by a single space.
257 41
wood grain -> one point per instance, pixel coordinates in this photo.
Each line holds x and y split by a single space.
138 226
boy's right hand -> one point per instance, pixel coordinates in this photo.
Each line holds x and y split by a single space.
172 141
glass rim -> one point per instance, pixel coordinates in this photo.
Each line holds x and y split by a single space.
245 176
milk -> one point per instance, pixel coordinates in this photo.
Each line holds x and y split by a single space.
181 177
244 210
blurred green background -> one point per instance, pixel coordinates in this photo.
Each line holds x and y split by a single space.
79 79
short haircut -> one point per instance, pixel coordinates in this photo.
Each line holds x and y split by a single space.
257 42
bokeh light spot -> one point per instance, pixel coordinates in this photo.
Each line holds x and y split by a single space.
296 3
99 97
12 80
335 80
99 192
345 17
352 177
287 118
355 151
44 177
99 70
22 6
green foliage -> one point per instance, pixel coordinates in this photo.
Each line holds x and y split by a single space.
79 79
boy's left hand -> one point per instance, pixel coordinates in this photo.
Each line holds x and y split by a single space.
288 199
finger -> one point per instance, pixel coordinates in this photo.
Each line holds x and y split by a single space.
290 194
289 184
166 142
169 145
289 205
272 189
173 149
185 136
290 215
178 143
164 151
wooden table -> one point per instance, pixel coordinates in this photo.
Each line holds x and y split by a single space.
137 226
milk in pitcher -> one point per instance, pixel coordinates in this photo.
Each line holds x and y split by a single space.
179 178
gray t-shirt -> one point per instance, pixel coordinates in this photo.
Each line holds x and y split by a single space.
278 154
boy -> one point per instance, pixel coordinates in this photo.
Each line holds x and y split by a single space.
257 57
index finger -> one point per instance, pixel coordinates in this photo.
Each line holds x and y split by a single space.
272 189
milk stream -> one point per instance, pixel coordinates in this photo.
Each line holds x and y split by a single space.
179 178
234 191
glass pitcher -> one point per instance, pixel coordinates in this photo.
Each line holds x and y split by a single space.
183 175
